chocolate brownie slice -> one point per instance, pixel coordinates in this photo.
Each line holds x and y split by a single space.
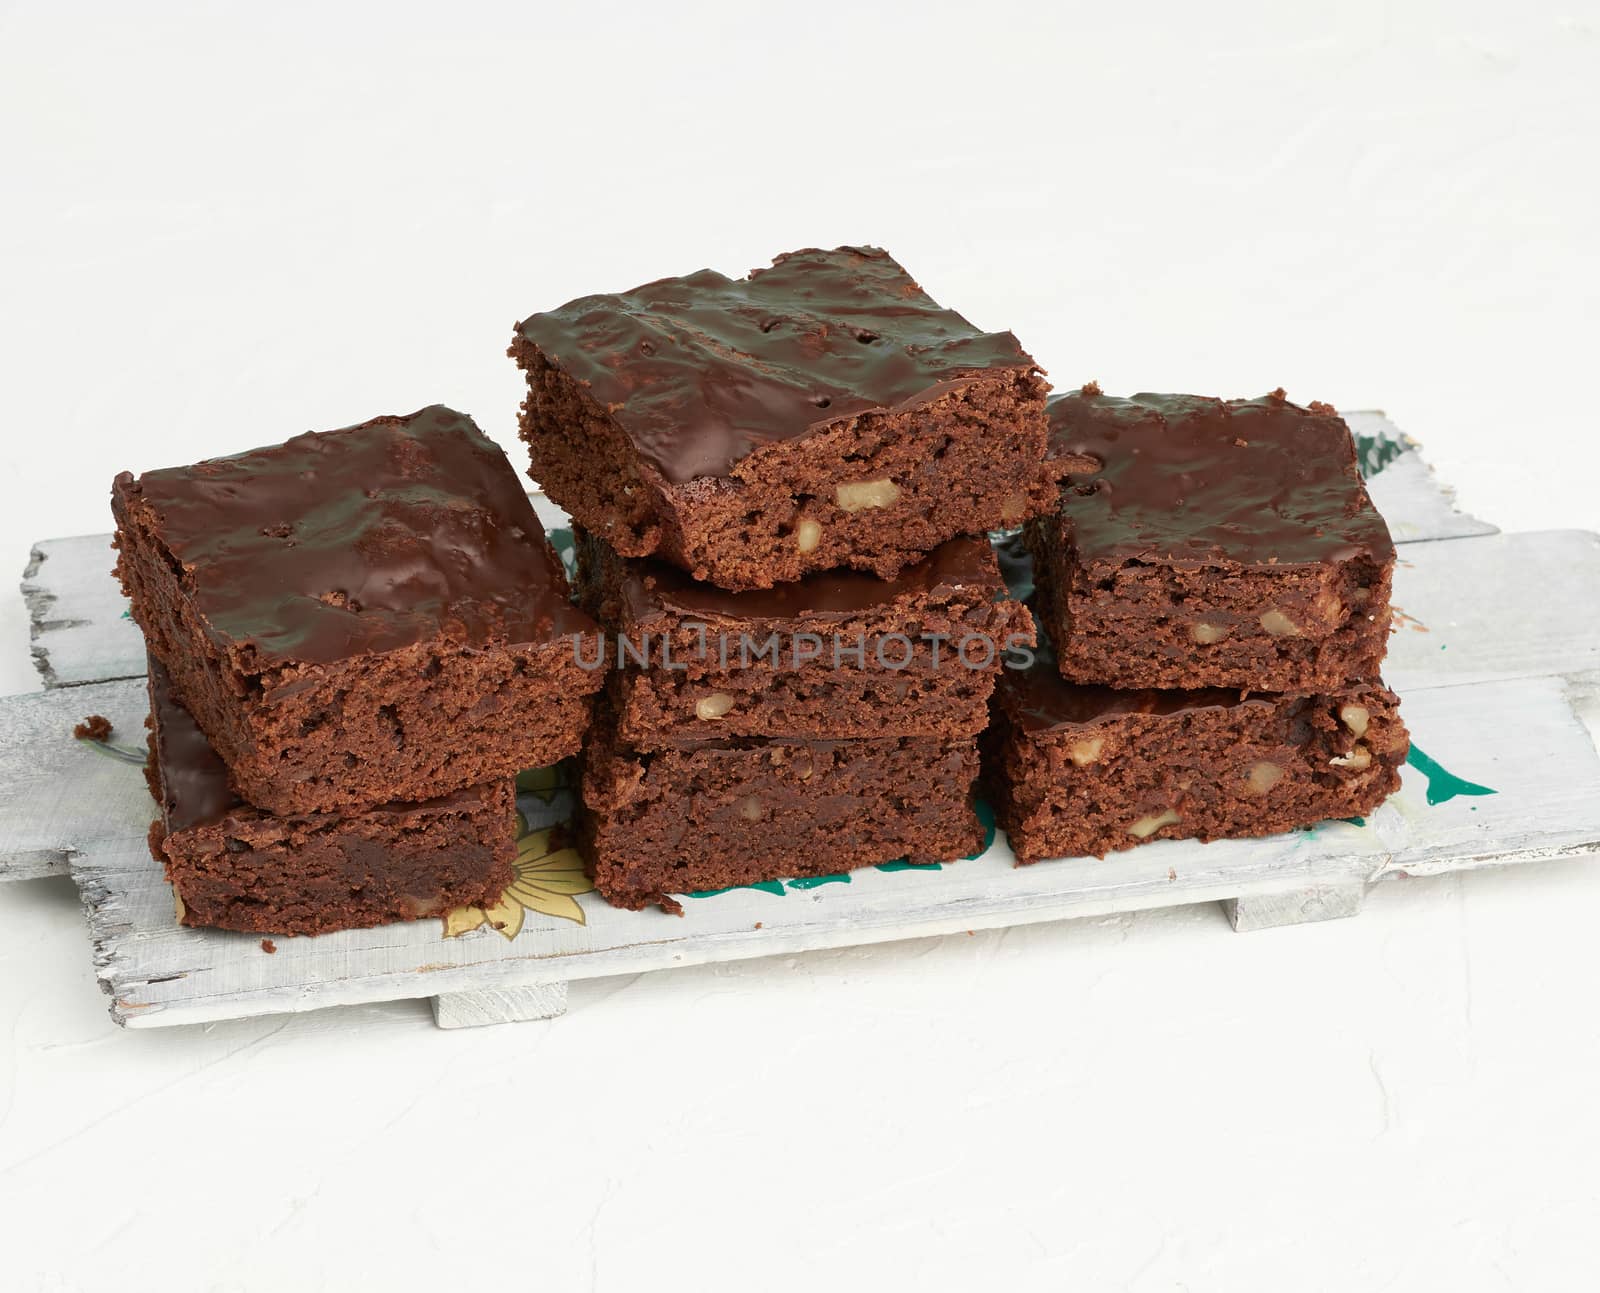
235 867
838 654
1074 770
718 814
359 616
824 412
1226 543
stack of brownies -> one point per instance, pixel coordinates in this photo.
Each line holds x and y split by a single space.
782 485
794 626
356 640
1215 588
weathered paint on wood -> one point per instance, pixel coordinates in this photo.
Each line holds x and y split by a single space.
1542 765
1499 633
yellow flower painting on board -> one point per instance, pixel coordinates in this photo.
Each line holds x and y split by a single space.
545 881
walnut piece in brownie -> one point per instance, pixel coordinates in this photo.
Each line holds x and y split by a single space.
824 412
235 867
720 814
1075 770
359 616
1219 543
838 654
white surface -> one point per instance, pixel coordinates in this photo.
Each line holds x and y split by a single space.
219 225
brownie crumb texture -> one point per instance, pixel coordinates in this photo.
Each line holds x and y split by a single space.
268 946
96 727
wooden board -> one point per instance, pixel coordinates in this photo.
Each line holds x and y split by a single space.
1496 658
80 625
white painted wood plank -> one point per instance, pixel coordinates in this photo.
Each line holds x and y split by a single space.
1300 907
80 628
500 1006
57 794
1416 504
1501 606
1542 763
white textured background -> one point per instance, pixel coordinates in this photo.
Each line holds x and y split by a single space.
221 225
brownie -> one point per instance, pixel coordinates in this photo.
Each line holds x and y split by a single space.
359 616
1226 543
235 867
723 813
821 413
837 654
1079 769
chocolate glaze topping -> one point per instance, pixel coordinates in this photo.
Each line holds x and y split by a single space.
367 539
700 371
1189 479
194 781
652 588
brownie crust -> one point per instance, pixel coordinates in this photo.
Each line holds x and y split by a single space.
837 655
1219 543
821 413
1086 770
359 616
716 815
235 867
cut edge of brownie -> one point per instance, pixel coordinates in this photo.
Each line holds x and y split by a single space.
1139 766
720 815
235 867
1133 623
875 491
292 734
920 661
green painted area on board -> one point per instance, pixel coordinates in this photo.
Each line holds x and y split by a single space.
566 548
1443 785
812 881
1354 821
766 886
1374 453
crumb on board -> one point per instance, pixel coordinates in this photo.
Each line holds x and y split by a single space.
758 924
1090 388
96 727
670 905
268 946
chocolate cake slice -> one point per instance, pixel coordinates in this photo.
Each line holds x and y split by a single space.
235 867
836 655
1075 770
361 616
1217 543
722 813
824 412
